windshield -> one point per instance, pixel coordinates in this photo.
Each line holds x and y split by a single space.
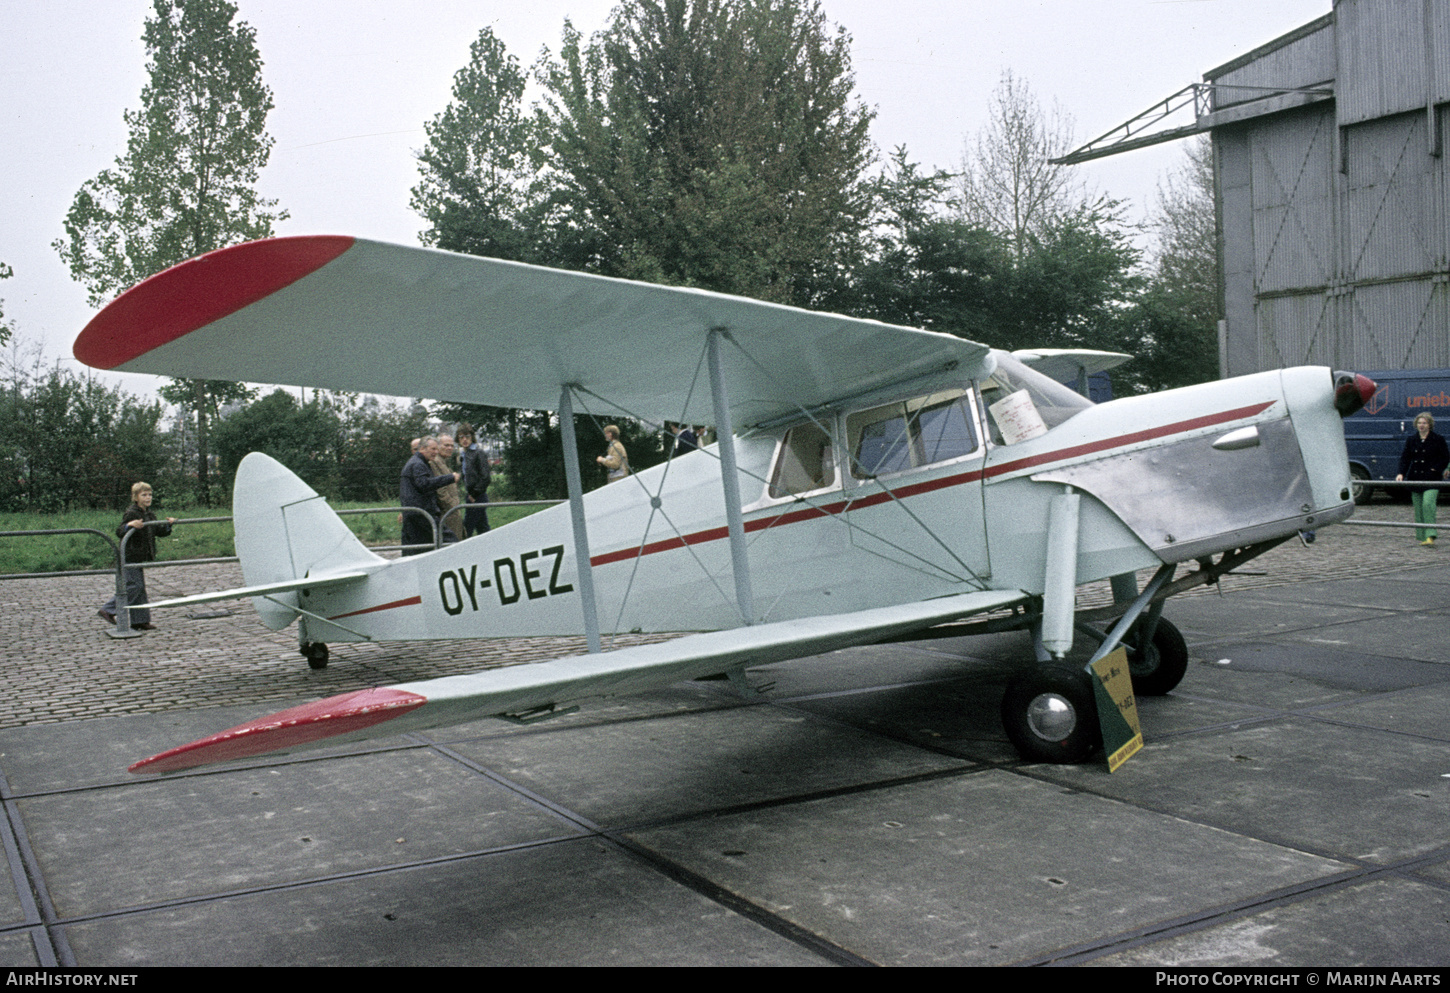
1054 402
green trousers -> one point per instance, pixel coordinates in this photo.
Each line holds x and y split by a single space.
1424 512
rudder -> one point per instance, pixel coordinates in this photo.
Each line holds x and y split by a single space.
285 530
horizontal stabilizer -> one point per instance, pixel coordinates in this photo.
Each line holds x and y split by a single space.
540 685
313 583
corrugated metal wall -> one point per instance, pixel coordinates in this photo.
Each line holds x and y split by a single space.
1381 48
1333 216
1301 59
1293 214
1383 63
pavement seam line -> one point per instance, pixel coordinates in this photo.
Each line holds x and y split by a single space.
693 881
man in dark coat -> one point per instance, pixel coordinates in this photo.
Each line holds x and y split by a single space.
476 477
418 487
685 440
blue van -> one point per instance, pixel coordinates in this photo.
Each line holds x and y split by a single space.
1100 386
1376 435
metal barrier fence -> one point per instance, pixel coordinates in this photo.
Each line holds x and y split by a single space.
1370 485
123 628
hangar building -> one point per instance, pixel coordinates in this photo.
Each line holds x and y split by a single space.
1331 188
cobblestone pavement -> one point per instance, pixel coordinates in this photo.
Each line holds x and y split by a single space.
60 665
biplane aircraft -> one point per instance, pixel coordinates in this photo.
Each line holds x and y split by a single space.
869 483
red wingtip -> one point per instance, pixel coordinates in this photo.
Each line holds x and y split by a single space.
289 728
197 292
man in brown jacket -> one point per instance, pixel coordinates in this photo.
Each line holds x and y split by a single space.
447 495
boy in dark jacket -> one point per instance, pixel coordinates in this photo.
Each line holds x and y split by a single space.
140 548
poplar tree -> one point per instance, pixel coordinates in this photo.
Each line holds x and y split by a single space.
1173 328
186 183
710 143
476 170
6 329
1007 183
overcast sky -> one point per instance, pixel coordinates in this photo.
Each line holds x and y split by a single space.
354 80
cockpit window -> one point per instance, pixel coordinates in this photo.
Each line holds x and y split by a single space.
910 434
1054 402
805 462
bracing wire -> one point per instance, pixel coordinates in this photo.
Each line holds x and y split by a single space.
818 502
887 489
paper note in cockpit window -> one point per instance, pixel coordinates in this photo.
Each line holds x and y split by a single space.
1017 417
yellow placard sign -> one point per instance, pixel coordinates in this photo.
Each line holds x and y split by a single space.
1117 708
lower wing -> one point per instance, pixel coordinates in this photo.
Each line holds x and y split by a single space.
541 686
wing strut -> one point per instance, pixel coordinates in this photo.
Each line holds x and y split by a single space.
576 513
730 480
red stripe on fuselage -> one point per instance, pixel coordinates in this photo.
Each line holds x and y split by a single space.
1207 421
193 294
927 486
373 610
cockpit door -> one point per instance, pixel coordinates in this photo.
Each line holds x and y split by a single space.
913 471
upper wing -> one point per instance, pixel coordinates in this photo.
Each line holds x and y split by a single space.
356 315
523 688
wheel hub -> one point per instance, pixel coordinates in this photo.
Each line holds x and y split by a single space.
1143 661
1051 717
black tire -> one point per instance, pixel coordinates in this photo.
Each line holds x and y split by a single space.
1159 669
1051 715
1358 476
316 654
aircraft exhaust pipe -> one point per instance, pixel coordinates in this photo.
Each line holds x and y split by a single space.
1351 392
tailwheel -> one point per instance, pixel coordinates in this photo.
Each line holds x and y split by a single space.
316 654
1159 667
1051 715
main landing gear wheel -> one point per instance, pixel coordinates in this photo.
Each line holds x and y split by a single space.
1159 667
316 654
1051 715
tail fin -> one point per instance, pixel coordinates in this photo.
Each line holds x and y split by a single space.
284 530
